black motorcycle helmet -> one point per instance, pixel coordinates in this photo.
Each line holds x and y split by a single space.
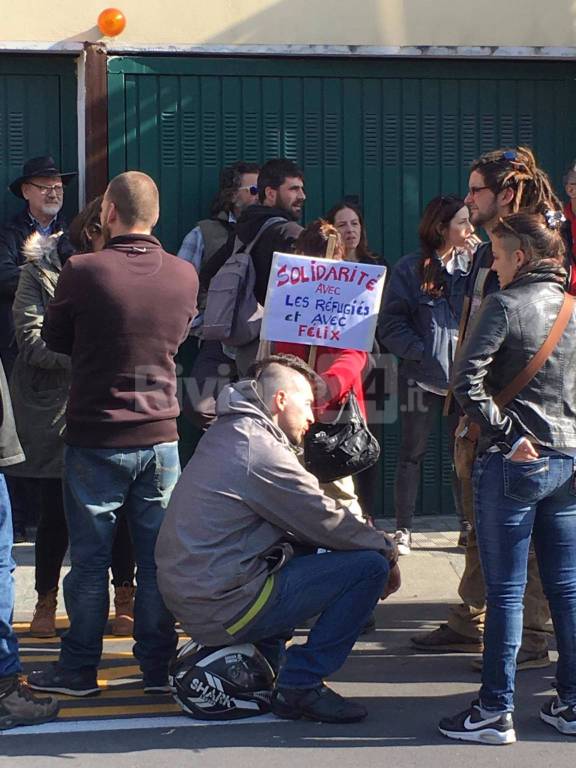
225 683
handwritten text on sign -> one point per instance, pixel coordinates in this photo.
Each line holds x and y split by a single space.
322 302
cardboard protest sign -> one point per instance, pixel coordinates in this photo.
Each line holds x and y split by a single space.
322 302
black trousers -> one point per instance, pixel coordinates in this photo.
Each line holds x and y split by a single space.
419 411
52 540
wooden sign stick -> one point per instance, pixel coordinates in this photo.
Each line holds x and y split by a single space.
331 246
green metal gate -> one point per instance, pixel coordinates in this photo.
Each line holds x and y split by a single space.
38 97
392 132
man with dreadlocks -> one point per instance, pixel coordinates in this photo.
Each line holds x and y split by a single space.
501 182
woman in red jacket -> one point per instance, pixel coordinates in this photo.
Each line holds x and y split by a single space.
341 369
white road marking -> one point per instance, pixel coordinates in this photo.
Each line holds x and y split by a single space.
131 724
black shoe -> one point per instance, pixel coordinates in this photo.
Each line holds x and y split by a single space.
471 725
19 706
19 536
156 682
72 682
560 716
321 704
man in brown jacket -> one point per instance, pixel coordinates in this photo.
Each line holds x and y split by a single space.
241 512
121 315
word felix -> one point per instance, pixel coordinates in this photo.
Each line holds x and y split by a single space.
319 332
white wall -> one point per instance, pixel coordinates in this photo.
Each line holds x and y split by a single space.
380 23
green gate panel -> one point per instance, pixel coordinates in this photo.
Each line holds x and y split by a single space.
37 117
392 132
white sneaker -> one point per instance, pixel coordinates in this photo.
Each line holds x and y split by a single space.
403 539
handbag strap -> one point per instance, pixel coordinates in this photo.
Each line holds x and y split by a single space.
535 364
447 409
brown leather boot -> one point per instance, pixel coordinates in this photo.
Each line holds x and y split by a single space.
43 622
123 622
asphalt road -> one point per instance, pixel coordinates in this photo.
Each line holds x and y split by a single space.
406 694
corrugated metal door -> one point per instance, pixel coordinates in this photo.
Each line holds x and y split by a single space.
37 117
393 133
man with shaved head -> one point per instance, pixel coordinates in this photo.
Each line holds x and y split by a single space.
121 315
236 553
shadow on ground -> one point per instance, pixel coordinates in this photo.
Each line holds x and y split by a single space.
406 693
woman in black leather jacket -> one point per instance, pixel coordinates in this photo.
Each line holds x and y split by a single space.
524 472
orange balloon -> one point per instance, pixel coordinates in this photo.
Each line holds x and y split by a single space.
111 22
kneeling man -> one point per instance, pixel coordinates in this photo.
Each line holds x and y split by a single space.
236 553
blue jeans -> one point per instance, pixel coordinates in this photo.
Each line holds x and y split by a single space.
97 483
512 500
343 587
9 660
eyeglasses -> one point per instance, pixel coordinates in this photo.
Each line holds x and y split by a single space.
252 189
58 189
474 190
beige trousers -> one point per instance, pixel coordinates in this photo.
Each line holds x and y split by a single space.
343 491
468 618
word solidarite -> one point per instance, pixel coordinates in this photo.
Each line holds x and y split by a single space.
315 272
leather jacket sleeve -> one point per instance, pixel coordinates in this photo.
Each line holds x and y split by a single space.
485 338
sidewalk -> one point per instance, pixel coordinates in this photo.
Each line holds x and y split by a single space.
431 573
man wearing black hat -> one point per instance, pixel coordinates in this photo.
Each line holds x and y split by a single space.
41 185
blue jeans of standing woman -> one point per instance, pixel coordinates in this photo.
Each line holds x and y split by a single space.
98 482
9 660
512 500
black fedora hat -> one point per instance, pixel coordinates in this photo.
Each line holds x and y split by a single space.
38 166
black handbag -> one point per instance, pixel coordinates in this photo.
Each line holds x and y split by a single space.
342 447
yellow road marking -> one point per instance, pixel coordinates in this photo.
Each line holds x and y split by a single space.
35 658
113 673
143 709
24 640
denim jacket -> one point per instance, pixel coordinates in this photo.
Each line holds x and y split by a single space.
420 329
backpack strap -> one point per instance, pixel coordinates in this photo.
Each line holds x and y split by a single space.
267 224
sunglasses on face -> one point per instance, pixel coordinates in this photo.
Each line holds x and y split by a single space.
252 189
